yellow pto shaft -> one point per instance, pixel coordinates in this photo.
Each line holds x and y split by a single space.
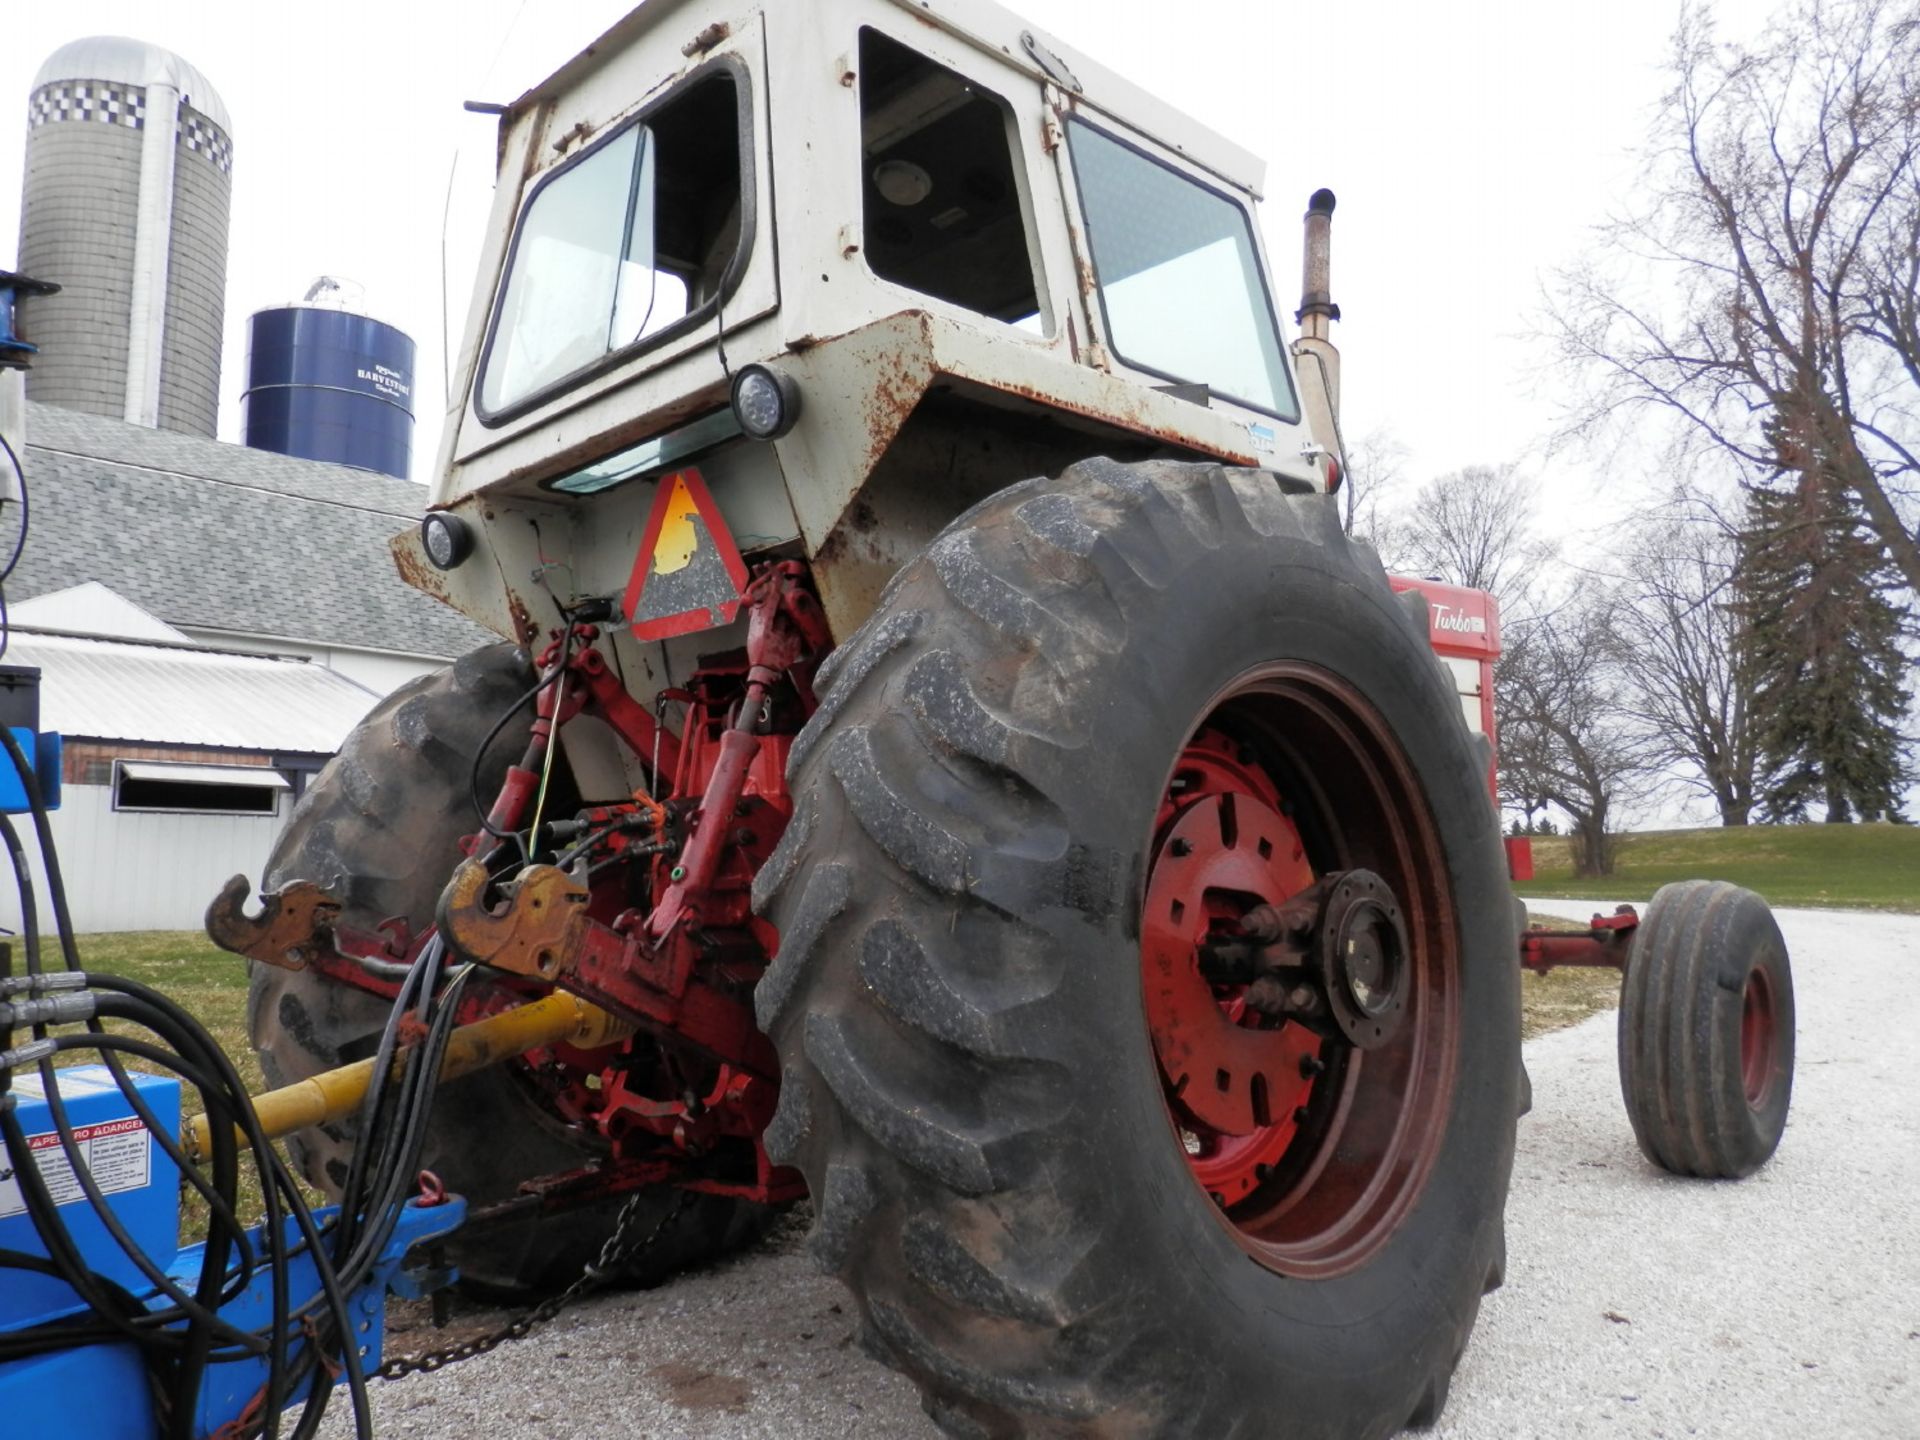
558 1018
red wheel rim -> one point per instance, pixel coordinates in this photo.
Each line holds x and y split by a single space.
1756 1037
1311 1152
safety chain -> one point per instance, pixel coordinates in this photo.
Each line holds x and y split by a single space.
620 1248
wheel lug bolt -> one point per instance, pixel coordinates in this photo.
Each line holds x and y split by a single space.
1300 1115
1218 1198
1261 1172
1181 847
1312 1065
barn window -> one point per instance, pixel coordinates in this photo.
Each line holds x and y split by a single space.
197 789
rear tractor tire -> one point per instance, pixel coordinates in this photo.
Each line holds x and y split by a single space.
1706 1031
1077 1187
382 824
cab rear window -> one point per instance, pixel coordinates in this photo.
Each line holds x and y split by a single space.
940 199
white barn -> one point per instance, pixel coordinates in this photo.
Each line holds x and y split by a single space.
181 761
210 621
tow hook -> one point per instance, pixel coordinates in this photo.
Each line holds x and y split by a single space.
292 925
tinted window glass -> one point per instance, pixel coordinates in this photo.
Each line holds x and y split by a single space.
1178 273
132 794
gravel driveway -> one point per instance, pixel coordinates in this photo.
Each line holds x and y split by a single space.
1636 1305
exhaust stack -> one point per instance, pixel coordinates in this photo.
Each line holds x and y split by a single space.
1317 358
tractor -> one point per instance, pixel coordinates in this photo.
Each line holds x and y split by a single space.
946 759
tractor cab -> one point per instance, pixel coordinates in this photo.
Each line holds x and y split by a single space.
853 259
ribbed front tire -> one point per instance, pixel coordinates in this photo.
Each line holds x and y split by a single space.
1706 1031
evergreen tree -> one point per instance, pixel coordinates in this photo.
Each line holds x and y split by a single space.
1825 668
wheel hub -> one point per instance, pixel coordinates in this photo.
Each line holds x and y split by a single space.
1363 959
1333 957
1232 1069
1302 1020
1756 1037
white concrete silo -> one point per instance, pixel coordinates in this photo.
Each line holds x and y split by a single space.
128 181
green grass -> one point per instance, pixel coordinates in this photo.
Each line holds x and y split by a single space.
209 984
212 986
1863 867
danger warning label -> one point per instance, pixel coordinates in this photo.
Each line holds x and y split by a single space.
117 1153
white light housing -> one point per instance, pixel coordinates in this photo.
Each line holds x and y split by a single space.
765 402
447 539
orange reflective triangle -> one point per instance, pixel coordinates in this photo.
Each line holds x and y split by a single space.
688 575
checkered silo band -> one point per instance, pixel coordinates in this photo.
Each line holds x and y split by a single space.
126 105
200 134
88 100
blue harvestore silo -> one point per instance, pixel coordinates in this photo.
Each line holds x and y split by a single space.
327 383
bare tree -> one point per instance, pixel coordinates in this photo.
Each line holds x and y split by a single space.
1564 738
1769 295
1678 638
1376 469
1473 527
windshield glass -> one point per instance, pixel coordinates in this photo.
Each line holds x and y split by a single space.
1179 277
620 246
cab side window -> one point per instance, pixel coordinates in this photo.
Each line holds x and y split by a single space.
1179 277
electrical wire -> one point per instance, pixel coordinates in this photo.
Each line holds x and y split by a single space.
19 542
479 755
26 510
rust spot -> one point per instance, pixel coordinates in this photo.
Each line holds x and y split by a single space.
411 1030
293 921
803 344
1129 415
416 571
861 517
706 39
604 442
524 630
896 389
1083 272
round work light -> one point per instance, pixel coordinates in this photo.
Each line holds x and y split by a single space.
447 539
765 402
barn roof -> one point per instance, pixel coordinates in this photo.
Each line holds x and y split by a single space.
224 537
169 694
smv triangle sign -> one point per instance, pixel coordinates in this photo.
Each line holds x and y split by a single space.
688 575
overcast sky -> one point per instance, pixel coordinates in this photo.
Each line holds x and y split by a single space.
1471 147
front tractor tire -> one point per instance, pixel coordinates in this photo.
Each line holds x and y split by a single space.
1706 1031
381 825
1076 1186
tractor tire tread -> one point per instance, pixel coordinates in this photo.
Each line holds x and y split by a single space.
921 1088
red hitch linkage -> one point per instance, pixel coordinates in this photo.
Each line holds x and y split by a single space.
1605 944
